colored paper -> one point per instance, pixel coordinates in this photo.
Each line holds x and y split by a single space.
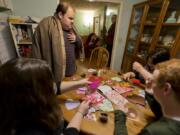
71 104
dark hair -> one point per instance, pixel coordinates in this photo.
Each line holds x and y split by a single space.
62 7
160 56
89 38
27 95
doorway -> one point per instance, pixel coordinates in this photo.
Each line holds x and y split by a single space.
94 17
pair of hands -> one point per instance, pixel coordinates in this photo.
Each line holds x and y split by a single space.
136 66
71 37
84 106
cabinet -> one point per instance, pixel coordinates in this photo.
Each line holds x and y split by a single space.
22 37
154 25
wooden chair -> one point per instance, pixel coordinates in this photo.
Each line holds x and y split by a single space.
99 58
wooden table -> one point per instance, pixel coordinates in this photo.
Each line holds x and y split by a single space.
96 127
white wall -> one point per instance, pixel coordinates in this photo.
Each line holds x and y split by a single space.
42 8
37 8
121 32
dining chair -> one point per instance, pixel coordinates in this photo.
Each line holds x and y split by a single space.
99 58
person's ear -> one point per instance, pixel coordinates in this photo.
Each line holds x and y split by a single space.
60 15
167 89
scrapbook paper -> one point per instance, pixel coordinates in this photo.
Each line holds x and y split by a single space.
81 90
94 98
106 106
113 96
118 79
109 82
136 99
142 93
105 88
124 84
71 104
121 90
91 116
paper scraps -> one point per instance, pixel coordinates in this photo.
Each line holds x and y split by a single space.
113 96
121 90
136 99
71 104
94 98
106 106
117 79
82 90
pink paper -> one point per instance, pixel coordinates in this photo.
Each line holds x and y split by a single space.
121 90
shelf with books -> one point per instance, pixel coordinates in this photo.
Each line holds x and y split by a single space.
22 36
5 5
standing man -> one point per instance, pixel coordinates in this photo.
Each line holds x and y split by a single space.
56 41
110 37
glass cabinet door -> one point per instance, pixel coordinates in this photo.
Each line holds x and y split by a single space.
146 37
134 28
170 30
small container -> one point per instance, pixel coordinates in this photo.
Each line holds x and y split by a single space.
91 72
103 117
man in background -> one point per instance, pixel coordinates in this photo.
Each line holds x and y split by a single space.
56 41
110 37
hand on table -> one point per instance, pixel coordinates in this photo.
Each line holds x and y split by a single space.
84 106
128 75
71 37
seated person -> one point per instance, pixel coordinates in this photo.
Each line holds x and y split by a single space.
28 104
144 73
141 72
90 44
166 90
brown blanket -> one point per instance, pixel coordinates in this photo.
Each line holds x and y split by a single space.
48 45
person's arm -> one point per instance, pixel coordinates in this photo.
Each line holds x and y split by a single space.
77 119
120 123
154 105
139 68
71 85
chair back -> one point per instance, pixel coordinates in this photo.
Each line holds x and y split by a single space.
99 58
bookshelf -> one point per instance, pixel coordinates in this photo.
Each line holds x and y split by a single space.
22 37
5 5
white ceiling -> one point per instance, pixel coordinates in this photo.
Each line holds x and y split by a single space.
86 5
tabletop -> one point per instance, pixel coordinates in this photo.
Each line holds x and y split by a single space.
95 127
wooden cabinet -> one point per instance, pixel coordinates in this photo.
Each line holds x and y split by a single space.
154 25
22 37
